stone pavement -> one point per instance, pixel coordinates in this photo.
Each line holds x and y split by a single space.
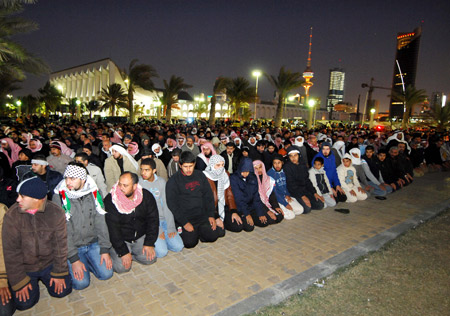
245 271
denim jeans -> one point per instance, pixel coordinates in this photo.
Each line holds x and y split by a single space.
90 257
377 191
44 276
162 246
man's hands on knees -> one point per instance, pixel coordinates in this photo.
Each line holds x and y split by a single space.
126 261
149 252
188 227
23 295
249 220
78 270
105 257
212 221
60 285
236 218
5 295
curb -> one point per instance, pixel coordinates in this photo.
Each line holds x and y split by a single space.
281 291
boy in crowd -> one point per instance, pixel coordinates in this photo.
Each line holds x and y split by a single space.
319 180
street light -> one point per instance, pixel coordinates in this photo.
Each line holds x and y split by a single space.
256 73
372 112
19 108
311 104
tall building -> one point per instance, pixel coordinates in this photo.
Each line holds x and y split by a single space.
436 98
335 88
405 67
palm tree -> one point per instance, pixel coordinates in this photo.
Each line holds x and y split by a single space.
14 59
220 86
410 98
283 83
170 94
51 97
240 92
113 97
138 76
202 107
92 106
30 104
440 115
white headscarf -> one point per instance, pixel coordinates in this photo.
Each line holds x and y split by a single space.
154 146
340 148
124 152
299 143
223 181
355 160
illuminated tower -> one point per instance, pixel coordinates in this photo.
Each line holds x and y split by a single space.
308 74
405 67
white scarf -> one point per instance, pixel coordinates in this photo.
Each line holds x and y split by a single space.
124 152
223 181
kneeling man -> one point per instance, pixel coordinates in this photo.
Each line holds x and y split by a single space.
133 223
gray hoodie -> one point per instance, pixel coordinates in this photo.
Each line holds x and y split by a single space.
158 189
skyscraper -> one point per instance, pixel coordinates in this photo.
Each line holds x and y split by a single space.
405 67
335 88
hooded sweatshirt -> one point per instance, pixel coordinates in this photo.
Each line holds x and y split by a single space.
319 180
329 165
348 176
245 190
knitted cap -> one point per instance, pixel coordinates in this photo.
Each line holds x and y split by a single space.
33 187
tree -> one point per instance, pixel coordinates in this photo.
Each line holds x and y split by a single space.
30 104
92 106
283 83
14 59
440 115
410 98
51 97
240 92
170 94
202 107
113 97
220 86
138 76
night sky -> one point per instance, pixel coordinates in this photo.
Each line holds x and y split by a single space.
201 40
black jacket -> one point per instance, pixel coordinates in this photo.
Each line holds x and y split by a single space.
297 180
190 198
234 160
52 179
144 220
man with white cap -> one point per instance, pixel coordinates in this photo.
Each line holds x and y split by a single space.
298 183
87 233
34 239
119 162
40 168
57 161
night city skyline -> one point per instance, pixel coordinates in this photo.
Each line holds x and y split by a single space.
201 40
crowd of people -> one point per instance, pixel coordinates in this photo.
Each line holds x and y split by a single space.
85 198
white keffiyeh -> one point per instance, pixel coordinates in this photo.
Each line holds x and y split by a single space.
223 181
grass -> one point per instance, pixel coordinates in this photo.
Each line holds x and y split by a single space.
408 276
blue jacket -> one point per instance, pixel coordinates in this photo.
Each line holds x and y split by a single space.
53 178
330 168
245 191
280 185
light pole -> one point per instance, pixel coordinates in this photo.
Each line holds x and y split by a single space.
256 73
19 108
372 112
78 102
311 104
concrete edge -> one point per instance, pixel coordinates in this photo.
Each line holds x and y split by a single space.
281 291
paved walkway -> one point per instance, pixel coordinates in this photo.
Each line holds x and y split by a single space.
244 271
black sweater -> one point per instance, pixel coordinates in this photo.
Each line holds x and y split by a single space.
130 227
297 180
190 198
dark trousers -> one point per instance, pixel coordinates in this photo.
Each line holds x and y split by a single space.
44 276
270 221
8 309
202 231
315 204
234 226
